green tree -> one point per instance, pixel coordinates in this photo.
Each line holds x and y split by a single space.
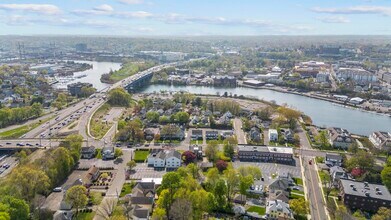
322 139
118 152
212 150
153 116
77 197
36 109
254 171
202 201
363 160
232 180
119 97
382 214
299 206
165 202
212 176
220 192
17 209
386 176
245 183
229 147
27 181
182 117
131 164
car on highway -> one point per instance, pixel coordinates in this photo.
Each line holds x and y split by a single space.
310 162
6 166
8 143
28 144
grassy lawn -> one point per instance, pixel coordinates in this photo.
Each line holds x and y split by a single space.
297 192
298 181
334 192
17 132
141 155
85 216
219 141
258 209
296 196
99 128
126 189
196 141
319 159
323 175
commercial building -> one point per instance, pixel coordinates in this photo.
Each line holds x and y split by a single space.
381 140
322 76
364 196
264 153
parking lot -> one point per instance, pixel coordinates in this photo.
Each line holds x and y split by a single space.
143 171
271 168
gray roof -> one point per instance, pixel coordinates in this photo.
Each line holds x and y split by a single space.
252 148
278 206
173 153
352 187
335 157
282 184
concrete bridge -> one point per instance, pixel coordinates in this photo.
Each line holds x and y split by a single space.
138 82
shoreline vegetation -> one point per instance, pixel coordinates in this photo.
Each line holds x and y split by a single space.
283 90
128 68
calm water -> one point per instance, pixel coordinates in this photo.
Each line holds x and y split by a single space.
93 75
323 113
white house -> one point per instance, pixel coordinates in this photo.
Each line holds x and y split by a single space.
173 159
165 159
277 209
273 135
160 160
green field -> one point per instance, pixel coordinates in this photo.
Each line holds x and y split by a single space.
298 181
98 128
126 189
258 209
141 155
128 69
17 132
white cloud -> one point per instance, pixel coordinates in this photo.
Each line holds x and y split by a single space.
131 2
104 7
334 19
36 8
383 10
134 14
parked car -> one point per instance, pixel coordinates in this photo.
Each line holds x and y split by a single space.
57 189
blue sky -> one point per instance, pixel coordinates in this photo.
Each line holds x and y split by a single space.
195 17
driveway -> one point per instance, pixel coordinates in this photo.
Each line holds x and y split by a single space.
240 135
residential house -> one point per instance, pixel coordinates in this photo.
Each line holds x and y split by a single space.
107 153
273 135
240 199
169 159
196 135
211 135
279 195
197 150
337 173
339 138
149 134
364 196
279 185
278 210
142 200
333 159
224 120
254 134
91 176
179 134
381 140
88 152
288 176
173 159
288 135
227 134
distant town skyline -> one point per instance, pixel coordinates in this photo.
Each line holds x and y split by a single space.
201 17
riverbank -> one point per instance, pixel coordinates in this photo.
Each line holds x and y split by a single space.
341 103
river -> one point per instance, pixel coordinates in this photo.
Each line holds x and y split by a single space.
322 113
93 75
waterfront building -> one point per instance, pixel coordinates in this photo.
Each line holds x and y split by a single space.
381 140
339 138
